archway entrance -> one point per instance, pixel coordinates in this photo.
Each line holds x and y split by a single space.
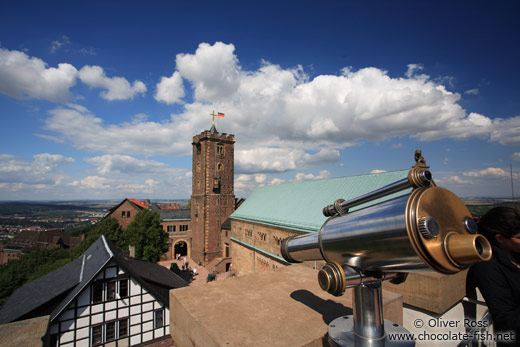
180 248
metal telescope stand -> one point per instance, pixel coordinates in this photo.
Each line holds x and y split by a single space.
367 326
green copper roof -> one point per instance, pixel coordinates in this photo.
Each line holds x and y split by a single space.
299 205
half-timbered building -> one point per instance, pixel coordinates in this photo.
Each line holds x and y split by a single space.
104 298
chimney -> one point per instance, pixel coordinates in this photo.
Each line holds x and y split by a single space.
131 250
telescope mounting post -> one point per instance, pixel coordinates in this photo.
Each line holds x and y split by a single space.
366 327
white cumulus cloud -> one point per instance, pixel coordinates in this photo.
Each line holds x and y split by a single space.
494 172
87 132
300 176
117 88
92 182
43 168
454 180
117 164
213 70
25 77
282 118
170 89
264 159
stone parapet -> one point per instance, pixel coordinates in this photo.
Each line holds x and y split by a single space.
431 291
283 307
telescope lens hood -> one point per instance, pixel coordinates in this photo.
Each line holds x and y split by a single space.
332 279
285 252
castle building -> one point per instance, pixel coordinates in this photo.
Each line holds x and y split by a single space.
273 213
213 197
174 220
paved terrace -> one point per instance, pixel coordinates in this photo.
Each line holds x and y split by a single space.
202 272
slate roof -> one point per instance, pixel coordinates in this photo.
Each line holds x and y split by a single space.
299 205
226 225
40 291
71 279
181 214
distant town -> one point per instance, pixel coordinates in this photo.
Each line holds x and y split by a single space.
69 216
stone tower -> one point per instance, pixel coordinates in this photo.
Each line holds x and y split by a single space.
213 197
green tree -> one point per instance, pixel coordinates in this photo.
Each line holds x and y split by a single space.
147 235
109 227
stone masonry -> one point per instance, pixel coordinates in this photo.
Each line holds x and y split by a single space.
213 198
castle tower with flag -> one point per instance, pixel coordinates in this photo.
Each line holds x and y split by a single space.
213 197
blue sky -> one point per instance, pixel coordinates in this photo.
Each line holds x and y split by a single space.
100 100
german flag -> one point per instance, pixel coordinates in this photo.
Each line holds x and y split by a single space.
220 115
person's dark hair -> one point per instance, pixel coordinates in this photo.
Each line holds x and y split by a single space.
499 220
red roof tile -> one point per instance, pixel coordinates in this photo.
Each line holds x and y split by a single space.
138 203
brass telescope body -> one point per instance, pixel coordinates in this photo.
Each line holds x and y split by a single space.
429 228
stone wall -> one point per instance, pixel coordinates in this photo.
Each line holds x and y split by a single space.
256 247
121 213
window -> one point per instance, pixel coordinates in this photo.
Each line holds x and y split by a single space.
183 227
111 290
123 328
113 330
110 331
123 288
171 228
97 334
220 149
108 290
127 214
123 214
97 291
159 319
220 166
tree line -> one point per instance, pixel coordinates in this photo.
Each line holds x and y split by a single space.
145 233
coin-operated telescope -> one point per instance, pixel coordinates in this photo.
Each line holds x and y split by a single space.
427 229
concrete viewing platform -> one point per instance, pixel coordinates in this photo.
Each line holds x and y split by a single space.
283 307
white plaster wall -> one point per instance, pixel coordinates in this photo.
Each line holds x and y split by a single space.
140 322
